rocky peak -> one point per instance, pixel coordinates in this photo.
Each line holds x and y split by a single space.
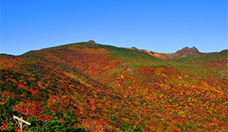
188 50
185 49
133 48
194 49
91 42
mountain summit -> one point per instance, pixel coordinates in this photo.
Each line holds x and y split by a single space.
91 42
185 52
92 87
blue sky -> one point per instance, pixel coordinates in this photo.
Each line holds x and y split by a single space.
156 25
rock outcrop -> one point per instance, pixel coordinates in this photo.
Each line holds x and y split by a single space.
185 52
91 42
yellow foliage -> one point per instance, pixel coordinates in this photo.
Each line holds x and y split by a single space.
87 50
71 75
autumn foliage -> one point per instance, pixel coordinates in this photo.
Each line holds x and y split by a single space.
83 87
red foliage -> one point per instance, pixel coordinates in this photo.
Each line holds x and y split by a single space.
17 130
34 91
4 125
102 86
2 100
20 84
46 117
146 112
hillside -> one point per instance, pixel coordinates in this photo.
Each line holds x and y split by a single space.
185 52
92 87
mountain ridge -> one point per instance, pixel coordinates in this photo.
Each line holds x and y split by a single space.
184 52
94 87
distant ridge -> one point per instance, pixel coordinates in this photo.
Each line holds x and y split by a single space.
184 52
188 50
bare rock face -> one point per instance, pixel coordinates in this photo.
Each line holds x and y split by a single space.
188 50
194 49
184 50
133 48
91 42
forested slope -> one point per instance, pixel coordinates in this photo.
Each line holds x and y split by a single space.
93 87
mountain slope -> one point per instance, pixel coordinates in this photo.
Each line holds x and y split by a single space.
93 87
185 52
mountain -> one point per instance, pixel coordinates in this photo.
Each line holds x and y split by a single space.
93 87
185 52
188 50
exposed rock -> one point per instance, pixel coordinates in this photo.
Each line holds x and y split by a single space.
133 48
194 50
91 42
188 50
185 52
